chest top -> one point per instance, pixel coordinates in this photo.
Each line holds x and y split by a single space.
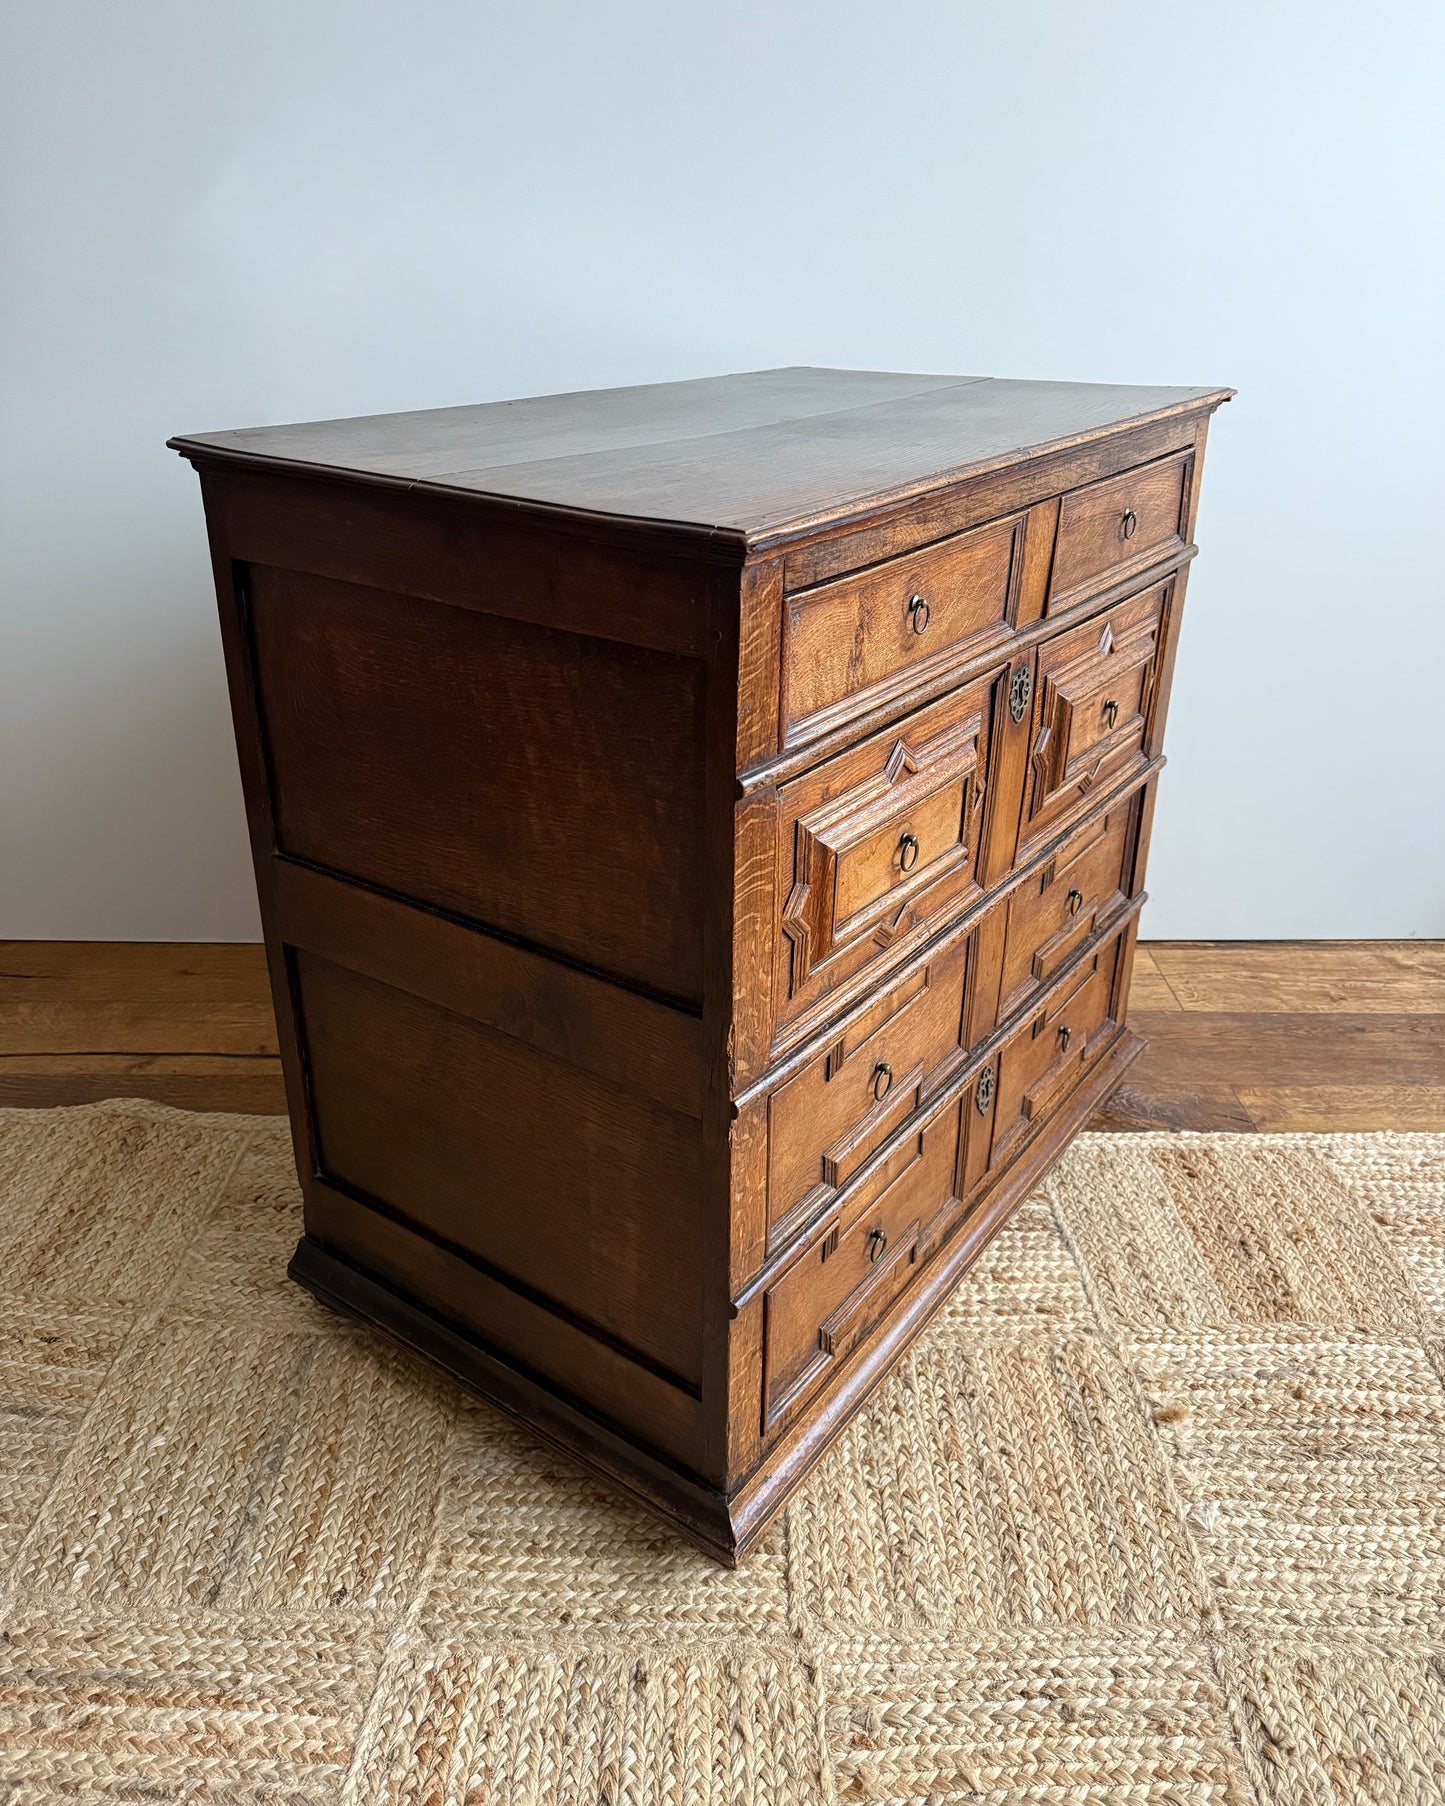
746 457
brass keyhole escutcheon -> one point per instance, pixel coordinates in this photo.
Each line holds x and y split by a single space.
1111 713
908 852
918 613
1019 690
1075 901
983 1091
1127 523
877 1242
1066 1035
882 1080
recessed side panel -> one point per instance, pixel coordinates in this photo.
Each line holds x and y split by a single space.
543 783
577 1196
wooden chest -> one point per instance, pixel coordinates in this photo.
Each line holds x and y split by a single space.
700 833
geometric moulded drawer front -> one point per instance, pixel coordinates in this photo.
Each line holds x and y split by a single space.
1094 699
1068 900
832 1116
1045 1056
824 1303
879 843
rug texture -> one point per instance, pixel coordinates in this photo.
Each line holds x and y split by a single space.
1154 1512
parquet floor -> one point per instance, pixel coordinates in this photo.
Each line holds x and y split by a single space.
1242 1035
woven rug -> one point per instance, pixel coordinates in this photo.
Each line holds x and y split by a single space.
1154 1512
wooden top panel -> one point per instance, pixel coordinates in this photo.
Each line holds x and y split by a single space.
747 456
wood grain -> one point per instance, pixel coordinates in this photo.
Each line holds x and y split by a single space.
548 785
1139 1107
1241 1048
748 454
1357 976
60 997
251 1085
1150 989
1340 1108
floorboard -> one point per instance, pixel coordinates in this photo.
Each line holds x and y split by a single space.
1277 1035
1303 976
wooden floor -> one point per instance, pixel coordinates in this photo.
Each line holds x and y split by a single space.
1242 1035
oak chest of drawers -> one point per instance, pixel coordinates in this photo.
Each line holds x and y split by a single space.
700 833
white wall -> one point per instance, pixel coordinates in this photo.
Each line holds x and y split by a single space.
261 210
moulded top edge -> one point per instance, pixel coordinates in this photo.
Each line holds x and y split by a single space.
750 457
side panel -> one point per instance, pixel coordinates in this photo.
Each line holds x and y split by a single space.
443 801
582 1196
542 783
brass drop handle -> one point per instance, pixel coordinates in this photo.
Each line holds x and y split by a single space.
1066 1035
918 612
1127 523
1075 901
1111 713
882 1080
877 1242
908 852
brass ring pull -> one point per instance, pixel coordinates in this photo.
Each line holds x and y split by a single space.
908 852
1066 1035
882 1080
1128 523
1075 900
918 613
1111 713
877 1242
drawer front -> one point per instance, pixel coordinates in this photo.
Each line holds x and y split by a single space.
822 1306
1039 1063
1094 697
878 845
1065 903
860 639
829 1119
1126 522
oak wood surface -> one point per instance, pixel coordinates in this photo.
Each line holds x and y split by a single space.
548 784
190 1024
751 453
471 760
1390 976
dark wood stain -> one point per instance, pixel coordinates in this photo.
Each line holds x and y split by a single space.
750 454
700 835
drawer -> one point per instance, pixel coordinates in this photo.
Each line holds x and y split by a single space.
1072 896
877 846
831 1117
1094 692
1123 523
822 1306
1041 1061
860 639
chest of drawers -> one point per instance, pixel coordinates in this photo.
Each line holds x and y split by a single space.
700 831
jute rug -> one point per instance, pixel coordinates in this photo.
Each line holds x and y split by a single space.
1155 1512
